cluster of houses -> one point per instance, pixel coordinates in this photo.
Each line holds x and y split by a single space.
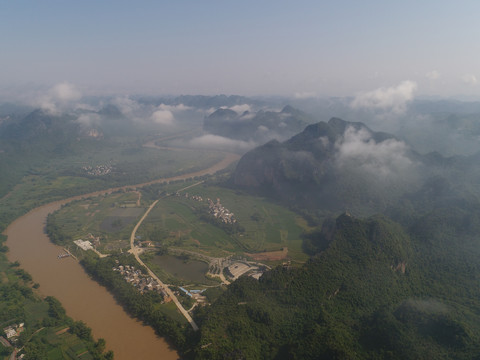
215 208
13 331
142 282
95 134
193 197
220 212
99 170
194 294
84 244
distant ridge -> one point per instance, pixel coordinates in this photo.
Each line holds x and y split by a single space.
259 126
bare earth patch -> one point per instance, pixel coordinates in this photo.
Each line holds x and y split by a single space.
270 255
59 332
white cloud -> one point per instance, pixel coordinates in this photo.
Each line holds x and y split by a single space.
163 117
65 92
47 104
432 75
209 111
88 107
59 98
219 142
126 105
179 107
240 109
386 159
248 116
392 98
469 79
324 140
164 114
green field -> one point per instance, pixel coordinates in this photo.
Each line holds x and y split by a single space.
181 270
173 222
180 222
176 221
42 180
171 310
67 346
111 218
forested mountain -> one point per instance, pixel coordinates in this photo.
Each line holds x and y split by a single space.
374 291
342 165
258 126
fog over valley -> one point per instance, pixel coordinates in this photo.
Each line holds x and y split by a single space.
254 180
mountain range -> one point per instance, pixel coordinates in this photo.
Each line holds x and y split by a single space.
259 126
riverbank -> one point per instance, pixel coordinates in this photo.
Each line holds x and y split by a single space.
82 298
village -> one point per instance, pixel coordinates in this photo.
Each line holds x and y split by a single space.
143 283
99 170
214 208
12 332
220 212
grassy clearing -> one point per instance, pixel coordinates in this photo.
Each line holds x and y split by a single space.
171 310
66 346
35 311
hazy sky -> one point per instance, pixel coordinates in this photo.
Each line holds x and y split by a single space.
300 48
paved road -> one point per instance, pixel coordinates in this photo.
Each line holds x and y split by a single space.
135 251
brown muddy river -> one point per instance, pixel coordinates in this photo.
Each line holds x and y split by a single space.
82 297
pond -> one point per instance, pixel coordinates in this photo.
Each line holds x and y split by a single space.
188 270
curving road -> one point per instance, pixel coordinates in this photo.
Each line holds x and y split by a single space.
135 251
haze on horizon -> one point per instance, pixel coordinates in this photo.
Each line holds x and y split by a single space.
300 49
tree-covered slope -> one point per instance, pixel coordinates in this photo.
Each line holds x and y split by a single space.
361 298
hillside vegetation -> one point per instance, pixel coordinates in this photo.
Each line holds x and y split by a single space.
368 295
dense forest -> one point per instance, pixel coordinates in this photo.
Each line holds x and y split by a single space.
374 292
